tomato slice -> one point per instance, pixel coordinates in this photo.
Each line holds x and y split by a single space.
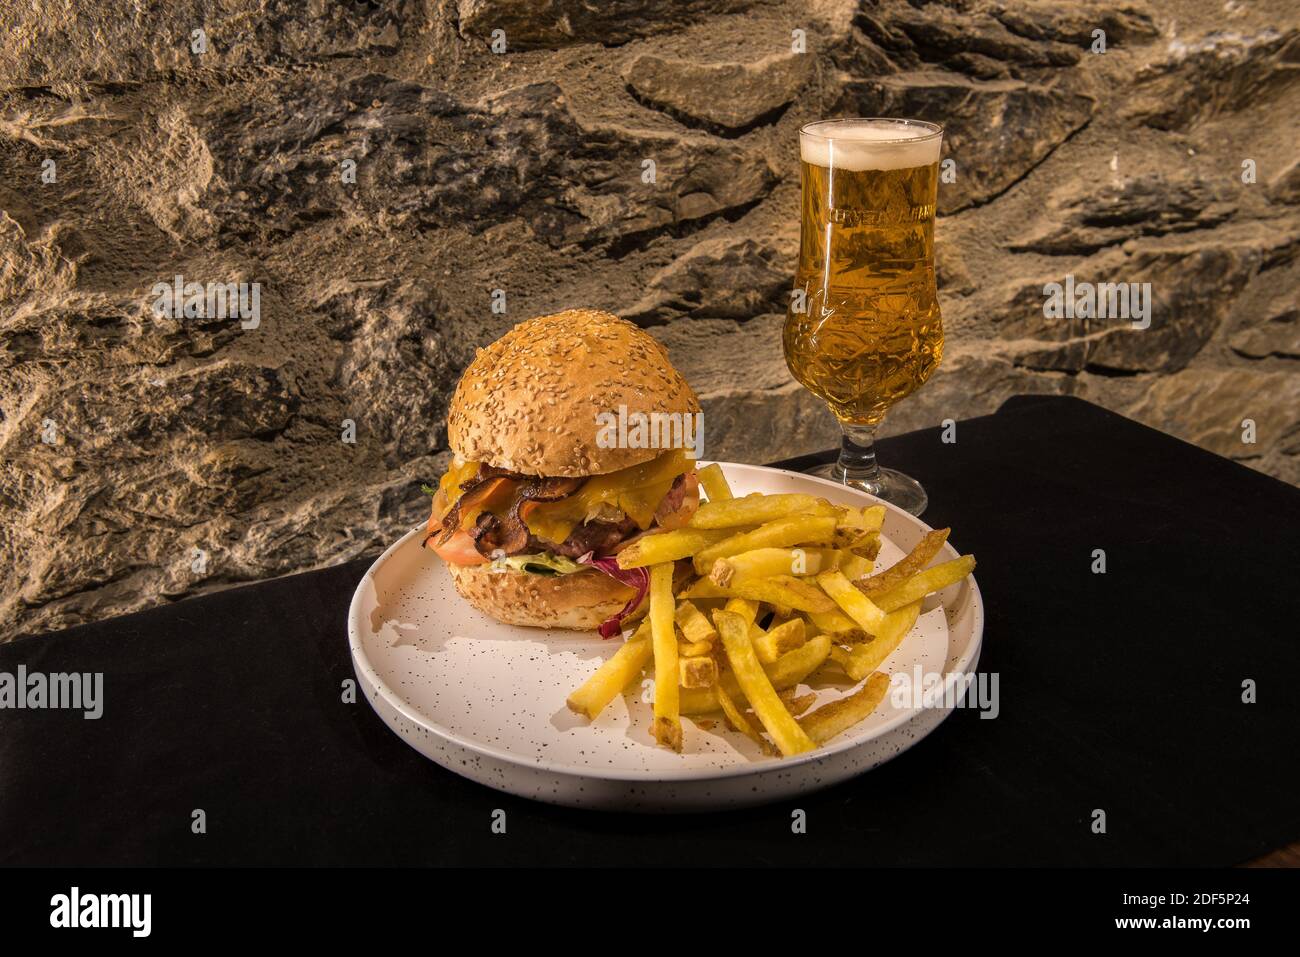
435 516
459 550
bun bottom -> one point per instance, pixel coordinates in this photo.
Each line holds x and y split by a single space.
580 601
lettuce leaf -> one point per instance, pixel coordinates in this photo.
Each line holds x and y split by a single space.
543 563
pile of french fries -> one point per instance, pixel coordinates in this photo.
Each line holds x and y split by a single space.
784 592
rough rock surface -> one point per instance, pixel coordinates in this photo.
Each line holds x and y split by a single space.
725 98
403 193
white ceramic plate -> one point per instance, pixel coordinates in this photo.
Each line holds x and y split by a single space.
486 700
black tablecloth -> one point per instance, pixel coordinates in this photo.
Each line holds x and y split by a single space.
1119 691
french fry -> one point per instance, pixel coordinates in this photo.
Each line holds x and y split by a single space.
913 562
782 532
843 630
866 658
840 715
667 724
788 671
771 590
753 680
923 583
781 590
695 626
850 517
797 703
844 658
693 649
854 636
763 562
868 518
852 602
856 566
743 607
798 562
873 518
614 675
852 538
741 723
870 550
759 509
703 590
669 546
786 637
864 545
832 622
859 529
697 672
715 483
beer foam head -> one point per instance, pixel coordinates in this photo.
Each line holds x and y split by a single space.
870 144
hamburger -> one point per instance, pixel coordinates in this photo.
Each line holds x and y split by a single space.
539 498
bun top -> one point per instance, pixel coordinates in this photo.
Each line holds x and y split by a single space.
529 401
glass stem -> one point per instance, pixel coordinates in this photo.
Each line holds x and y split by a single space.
857 461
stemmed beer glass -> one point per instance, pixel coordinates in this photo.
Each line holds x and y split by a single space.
863 329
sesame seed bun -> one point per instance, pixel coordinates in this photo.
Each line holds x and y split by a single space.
580 601
529 401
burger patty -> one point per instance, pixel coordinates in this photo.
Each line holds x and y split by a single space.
598 537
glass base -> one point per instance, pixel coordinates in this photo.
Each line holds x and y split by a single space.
892 486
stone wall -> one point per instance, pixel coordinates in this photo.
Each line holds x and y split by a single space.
145 459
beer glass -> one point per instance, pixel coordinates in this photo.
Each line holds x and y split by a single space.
863 328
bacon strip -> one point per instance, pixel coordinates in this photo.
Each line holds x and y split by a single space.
510 534
484 528
549 489
472 492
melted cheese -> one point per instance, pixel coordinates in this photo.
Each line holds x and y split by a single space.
636 491
457 475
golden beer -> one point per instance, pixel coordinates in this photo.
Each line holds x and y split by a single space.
863 329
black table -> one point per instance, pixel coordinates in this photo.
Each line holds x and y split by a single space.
1119 691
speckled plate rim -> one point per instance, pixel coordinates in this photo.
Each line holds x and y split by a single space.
963 664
